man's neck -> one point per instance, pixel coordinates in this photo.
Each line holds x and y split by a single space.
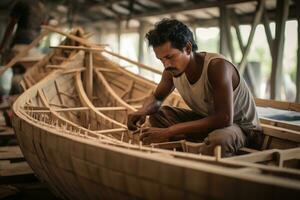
194 68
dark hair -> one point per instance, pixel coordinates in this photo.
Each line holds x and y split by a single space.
171 30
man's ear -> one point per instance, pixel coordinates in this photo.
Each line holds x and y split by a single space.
188 47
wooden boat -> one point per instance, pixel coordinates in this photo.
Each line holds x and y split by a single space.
71 129
54 59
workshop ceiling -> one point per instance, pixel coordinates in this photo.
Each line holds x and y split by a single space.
83 11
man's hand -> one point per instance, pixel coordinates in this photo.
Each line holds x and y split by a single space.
154 135
135 119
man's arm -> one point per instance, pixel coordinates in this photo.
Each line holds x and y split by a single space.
153 102
8 32
220 78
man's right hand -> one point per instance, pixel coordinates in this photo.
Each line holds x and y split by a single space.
135 119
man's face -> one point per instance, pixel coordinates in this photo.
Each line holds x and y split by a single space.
174 60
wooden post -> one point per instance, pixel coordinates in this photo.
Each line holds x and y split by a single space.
298 53
243 50
268 31
141 41
222 24
257 19
228 34
282 10
119 24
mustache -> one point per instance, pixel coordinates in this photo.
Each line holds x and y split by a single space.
169 69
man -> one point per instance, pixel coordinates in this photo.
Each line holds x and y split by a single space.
222 107
26 16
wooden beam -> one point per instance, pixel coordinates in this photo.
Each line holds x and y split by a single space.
281 133
266 23
229 35
222 25
243 50
141 41
119 32
277 104
236 25
45 110
10 153
276 74
77 48
134 62
186 7
257 19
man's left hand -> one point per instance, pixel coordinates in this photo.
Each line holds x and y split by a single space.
154 135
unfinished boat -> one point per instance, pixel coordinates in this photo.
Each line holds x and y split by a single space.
71 126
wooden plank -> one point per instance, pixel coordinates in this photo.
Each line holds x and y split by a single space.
281 133
278 123
282 9
15 169
7 133
10 152
268 155
277 104
8 192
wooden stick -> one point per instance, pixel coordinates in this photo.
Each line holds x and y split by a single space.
133 62
89 49
89 75
114 130
217 152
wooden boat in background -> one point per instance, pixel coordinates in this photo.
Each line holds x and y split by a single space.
55 58
71 126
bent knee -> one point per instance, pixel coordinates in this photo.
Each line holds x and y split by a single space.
219 137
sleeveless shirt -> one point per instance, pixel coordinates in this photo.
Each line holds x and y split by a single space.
199 98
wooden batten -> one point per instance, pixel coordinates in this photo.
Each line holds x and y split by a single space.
89 74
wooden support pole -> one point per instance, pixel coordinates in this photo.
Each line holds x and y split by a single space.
268 31
243 50
237 30
257 19
119 32
276 74
141 41
228 35
222 24
298 54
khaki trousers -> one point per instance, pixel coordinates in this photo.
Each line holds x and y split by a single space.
229 138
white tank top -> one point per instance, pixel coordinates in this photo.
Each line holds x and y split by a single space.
199 98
